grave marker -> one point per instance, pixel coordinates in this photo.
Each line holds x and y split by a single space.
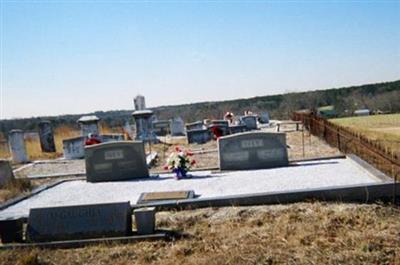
17 146
74 148
46 137
250 121
79 222
115 161
198 136
252 150
177 127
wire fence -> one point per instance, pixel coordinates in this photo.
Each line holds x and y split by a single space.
381 156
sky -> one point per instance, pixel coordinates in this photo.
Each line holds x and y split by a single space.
69 57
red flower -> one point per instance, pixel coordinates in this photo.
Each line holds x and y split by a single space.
177 149
193 162
166 167
189 153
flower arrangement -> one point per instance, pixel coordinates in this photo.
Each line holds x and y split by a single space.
180 162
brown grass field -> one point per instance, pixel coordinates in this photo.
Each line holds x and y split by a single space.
384 129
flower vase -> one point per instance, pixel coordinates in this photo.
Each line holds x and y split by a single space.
180 173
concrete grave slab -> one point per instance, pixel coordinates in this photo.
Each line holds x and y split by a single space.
116 161
252 150
79 222
318 174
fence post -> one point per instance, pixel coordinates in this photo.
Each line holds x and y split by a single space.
338 138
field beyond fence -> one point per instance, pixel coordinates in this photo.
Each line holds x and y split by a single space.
383 156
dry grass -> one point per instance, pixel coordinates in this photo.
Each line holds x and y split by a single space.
304 233
15 188
384 129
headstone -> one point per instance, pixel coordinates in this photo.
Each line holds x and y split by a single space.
79 222
252 150
115 137
11 230
46 137
264 117
115 161
198 136
74 148
17 146
177 127
6 173
250 121
139 102
161 127
198 125
222 125
144 130
145 219
237 129
89 124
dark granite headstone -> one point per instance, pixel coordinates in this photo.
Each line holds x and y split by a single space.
46 137
161 127
198 136
115 161
198 125
250 121
237 129
79 222
252 150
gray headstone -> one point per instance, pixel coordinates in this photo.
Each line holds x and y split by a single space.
106 138
250 121
222 125
115 161
17 146
89 124
6 173
145 219
198 125
74 148
264 117
144 131
177 127
237 129
161 127
79 222
46 137
252 150
198 136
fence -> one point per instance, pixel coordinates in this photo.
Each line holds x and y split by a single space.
347 141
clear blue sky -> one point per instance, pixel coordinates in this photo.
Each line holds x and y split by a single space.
62 57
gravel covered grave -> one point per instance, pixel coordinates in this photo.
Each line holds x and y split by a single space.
304 175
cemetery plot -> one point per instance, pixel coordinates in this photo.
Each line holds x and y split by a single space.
306 175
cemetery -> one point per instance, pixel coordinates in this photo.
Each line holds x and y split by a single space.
114 189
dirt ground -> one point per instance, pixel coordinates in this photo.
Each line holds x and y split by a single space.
303 233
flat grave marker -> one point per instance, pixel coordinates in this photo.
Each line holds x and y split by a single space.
252 150
165 195
116 161
79 222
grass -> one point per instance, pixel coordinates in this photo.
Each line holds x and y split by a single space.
384 129
14 188
303 233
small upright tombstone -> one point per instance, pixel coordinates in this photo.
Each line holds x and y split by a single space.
177 127
200 136
252 150
79 222
264 118
250 121
74 148
46 137
89 124
197 125
6 173
115 161
17 146
144 131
